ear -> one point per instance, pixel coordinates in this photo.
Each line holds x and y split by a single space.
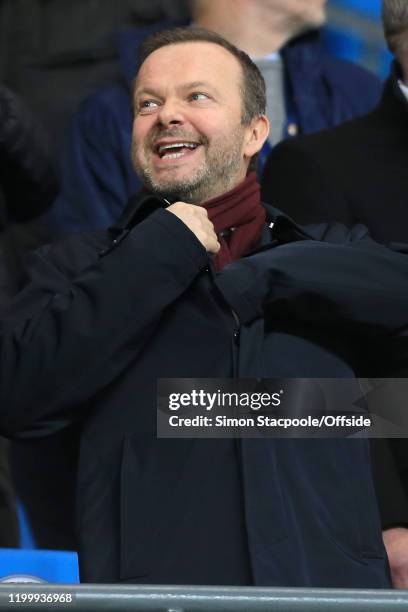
257 133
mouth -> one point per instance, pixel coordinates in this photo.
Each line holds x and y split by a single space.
175 150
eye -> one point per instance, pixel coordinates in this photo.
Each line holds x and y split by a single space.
145 106
198 96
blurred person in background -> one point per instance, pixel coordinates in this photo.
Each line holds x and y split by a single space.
307 91
28 185
358 173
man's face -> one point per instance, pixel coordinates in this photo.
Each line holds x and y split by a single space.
188 139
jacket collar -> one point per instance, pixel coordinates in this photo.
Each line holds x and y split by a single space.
139 207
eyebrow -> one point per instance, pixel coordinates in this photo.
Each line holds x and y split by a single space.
191 85
194 84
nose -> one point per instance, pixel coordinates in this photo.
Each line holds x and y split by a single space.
170 113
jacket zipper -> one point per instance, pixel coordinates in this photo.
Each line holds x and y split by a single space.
235 343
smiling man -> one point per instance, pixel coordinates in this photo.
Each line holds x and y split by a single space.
199 124
201 280
194 139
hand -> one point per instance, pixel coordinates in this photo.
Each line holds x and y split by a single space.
396 544
196 219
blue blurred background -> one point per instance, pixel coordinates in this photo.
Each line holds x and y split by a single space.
354 32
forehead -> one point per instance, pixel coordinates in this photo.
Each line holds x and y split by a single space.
190 61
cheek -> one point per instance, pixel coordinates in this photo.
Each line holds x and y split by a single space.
216 126
140 131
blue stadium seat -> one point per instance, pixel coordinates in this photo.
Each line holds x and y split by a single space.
46 565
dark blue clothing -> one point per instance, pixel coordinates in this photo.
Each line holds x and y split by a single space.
110 313
98 177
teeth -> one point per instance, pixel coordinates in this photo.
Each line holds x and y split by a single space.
177 145
172 155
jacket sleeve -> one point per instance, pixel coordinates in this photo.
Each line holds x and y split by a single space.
27 175
64 339
360 286
96 172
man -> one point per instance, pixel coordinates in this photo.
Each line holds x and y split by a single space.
357 173
307 91
109 313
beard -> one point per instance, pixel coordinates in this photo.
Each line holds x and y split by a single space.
215 174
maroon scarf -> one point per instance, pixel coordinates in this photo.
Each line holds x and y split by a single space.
241 210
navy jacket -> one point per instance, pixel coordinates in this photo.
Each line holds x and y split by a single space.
97 175
108 313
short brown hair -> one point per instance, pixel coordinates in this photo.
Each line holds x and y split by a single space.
395 22
253 84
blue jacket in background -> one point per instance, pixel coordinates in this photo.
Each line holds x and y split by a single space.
97 173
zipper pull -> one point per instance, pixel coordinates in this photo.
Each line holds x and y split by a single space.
115 242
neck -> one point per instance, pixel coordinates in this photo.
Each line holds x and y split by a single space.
247 25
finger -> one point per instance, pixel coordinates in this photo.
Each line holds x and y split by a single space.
213 245
208 228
